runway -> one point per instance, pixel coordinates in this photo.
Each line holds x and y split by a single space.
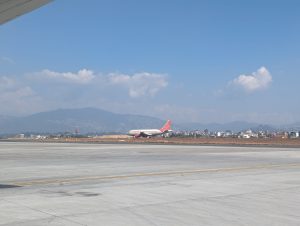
132 184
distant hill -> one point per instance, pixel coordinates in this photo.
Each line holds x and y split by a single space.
292 127
93 120
87 120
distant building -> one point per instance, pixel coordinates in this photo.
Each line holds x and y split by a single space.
294 134
246 136
21 136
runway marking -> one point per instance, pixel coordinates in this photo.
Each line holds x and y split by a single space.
162 173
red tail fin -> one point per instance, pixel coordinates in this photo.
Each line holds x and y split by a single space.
166 127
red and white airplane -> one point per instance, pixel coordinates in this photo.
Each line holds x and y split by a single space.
151 132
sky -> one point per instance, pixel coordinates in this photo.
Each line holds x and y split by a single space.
189 61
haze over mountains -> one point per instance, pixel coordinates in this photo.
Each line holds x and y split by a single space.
86 120
92 120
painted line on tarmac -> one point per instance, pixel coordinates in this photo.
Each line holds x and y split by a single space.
150 174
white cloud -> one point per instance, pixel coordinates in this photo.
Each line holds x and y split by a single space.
83 76
6 60
17 98
140 84
17 93
258 80
6 83
48 89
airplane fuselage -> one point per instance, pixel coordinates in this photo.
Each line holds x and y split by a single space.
149 132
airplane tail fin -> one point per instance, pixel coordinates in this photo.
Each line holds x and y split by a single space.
166 127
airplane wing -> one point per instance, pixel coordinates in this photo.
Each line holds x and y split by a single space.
143 134
10 9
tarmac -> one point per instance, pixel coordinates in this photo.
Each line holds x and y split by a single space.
135 184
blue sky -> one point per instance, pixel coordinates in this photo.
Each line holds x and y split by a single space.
204 61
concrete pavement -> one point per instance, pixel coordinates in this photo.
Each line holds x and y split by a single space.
123 184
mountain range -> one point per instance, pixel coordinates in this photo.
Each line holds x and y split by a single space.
93 120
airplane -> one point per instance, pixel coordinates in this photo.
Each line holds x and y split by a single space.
151 132
10 9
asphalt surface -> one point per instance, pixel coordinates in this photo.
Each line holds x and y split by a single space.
123 184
